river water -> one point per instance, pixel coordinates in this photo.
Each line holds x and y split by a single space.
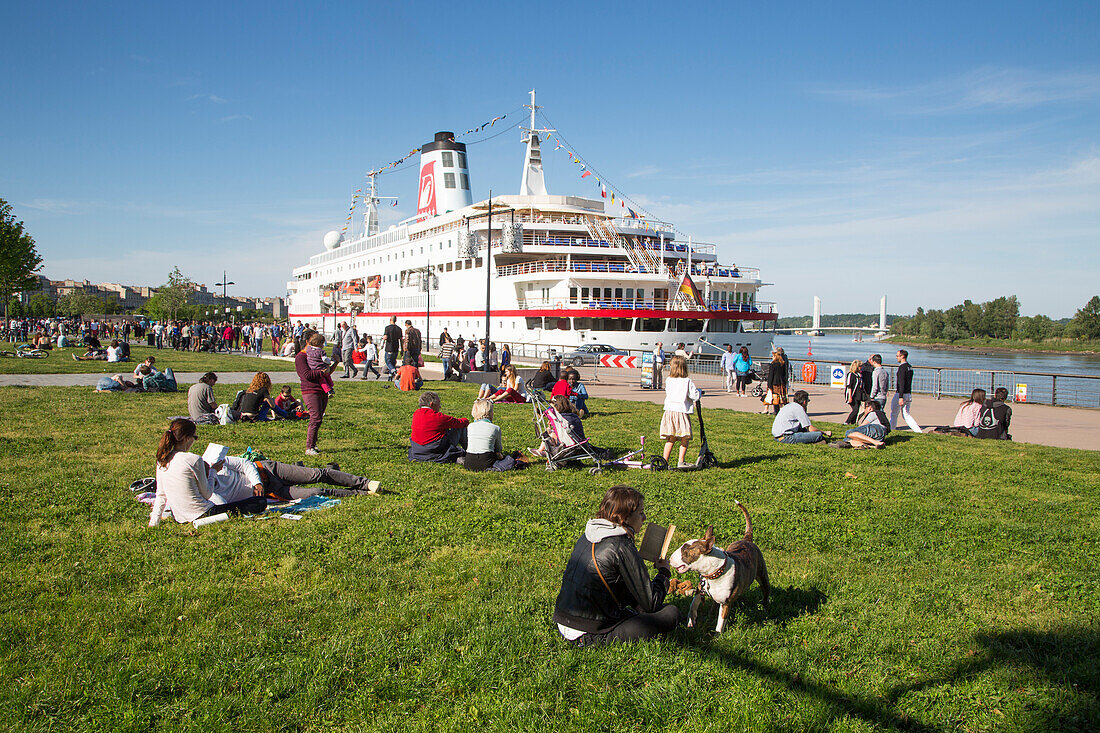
841 349
961 371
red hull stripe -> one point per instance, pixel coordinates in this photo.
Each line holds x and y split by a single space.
563 313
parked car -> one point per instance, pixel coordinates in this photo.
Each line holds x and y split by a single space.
590 354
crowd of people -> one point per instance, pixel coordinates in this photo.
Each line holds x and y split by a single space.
607 593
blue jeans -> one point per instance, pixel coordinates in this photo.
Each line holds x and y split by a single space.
807 436
871 431
391 361
446 367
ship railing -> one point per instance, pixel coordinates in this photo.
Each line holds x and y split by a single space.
640 304
713 271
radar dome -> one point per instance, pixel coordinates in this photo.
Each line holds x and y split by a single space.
333 239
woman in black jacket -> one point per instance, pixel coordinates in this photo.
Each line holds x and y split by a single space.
606 594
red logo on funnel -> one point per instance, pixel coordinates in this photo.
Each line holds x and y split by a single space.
426 200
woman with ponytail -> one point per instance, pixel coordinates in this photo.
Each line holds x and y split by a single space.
181 478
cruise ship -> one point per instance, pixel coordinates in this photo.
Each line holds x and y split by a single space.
549 270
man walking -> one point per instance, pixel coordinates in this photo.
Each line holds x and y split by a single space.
658 364
350 343
413 342
445 350
880 381
392 338
727 364
903 394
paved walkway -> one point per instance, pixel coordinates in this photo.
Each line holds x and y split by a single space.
1062 427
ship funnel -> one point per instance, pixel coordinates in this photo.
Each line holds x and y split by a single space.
444 178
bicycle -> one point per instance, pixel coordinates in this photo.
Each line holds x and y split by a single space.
25 351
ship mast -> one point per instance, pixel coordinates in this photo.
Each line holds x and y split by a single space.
371 224
532 183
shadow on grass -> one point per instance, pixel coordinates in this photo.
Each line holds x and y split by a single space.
749 460
787 604
1066 658
874 712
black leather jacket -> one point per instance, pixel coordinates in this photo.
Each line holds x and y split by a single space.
584 603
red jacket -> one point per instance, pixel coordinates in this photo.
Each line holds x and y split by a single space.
429 426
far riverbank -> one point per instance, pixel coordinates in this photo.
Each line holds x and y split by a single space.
1064 347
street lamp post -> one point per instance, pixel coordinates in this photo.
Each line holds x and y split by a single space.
225 283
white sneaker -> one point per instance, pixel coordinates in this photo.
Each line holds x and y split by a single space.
312 452
374 487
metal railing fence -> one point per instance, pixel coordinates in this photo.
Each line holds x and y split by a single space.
1062 390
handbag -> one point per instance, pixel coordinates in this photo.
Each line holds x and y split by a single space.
769 398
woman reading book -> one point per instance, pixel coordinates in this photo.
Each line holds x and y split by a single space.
606 594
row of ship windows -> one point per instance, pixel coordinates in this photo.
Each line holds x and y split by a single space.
641 325
723 296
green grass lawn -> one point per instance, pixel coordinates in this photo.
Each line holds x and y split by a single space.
939 585
60 361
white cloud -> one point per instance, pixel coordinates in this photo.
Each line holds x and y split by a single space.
213 98
985 88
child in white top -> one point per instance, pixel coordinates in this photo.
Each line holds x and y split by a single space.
680 396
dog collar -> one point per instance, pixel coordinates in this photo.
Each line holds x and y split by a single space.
717 573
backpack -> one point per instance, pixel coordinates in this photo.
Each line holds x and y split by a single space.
991 420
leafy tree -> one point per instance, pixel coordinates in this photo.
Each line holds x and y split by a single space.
78 302
41 305
174 294
19 259
999 317
1086 322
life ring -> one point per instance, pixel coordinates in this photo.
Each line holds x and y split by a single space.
559 305
809 372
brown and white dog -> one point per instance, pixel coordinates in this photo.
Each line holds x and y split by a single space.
724 575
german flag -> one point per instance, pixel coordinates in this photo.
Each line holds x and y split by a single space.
689 291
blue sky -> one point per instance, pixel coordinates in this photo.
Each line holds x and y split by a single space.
932 152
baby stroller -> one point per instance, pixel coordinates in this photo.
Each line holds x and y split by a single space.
562 446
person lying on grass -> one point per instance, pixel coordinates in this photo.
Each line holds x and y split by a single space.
871 427
792 423
235 479
484 447
606 593
434 436
115 383
92 354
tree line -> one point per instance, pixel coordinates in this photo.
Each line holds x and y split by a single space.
998 319
839 320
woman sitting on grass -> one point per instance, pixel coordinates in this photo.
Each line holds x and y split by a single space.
182 478
871 429
606 593
511 389
255 403
484 447
544 378
967 416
